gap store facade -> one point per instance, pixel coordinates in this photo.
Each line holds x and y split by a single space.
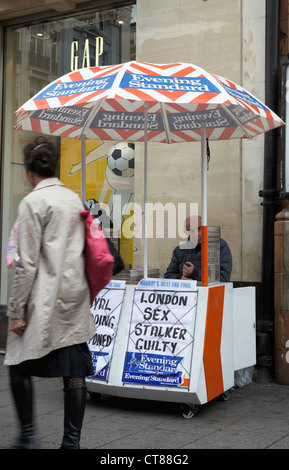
35 54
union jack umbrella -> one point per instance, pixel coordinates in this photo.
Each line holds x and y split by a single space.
138 101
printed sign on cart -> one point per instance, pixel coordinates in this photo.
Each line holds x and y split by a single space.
214 236
106 310
161 333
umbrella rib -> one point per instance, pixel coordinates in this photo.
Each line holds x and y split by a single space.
166 124
236 121
91 117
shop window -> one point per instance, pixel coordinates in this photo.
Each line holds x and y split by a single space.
35 56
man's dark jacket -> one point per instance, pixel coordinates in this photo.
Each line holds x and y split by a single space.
181 254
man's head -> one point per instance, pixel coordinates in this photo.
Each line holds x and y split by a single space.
193 226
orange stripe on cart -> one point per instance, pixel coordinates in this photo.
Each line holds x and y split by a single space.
186 383
212 343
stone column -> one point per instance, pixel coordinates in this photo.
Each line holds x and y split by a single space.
281 239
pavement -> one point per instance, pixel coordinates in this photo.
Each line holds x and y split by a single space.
255 416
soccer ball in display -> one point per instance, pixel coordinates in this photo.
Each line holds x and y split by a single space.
120 159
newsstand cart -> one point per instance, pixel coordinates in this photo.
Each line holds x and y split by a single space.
171 341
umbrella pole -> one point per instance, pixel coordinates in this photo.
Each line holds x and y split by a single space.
145 270
204 208
83 169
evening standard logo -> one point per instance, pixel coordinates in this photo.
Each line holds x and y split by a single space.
153 364
74 116
241 114
57 90
131 121
155 82
139 378
243 96
214 118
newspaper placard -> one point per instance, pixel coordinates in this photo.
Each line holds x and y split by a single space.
213 254
106 310
161 333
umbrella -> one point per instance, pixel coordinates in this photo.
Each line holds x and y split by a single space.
142 102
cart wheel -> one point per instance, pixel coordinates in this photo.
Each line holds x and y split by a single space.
94 396
225 396
188 411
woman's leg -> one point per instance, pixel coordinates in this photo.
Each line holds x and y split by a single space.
22 392
74 407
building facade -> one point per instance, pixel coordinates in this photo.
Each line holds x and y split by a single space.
43 40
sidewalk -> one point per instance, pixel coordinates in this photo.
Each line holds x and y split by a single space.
254 417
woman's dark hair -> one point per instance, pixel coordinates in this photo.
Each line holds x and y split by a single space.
41 157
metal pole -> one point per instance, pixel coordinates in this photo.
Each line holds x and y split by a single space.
265 323
284 163
145 190
204 207
83 169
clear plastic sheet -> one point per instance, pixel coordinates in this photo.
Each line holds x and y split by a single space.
244 376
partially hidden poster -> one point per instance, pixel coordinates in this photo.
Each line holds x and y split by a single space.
112 189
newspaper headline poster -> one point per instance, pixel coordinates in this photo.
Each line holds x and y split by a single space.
114 193
105 309
214 235
161 333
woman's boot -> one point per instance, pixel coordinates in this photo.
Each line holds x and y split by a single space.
22 392
74 407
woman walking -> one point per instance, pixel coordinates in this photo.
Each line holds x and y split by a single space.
50 322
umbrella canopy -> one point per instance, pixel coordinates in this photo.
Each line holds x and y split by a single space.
138 101
108 103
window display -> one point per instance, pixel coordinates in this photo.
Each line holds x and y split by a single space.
36 55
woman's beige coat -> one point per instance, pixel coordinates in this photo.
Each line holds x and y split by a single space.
49 287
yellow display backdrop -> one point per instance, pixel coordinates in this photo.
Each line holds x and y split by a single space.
114 193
